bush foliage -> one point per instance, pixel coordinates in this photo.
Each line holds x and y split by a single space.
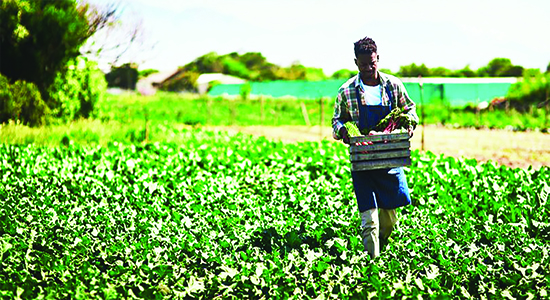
21 101
125 76
39 37
41 42
77 90
531 90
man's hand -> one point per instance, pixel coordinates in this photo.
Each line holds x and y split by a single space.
411 131
344 134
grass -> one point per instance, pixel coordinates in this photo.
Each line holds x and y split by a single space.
91 132
274 112
135 119
170 107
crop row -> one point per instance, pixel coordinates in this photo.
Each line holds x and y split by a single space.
233 216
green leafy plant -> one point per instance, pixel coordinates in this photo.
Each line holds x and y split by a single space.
233 216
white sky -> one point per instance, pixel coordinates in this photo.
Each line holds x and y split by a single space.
320 33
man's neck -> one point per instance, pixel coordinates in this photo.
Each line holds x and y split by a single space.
371 81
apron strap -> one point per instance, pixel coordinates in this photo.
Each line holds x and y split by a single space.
390 96
370 115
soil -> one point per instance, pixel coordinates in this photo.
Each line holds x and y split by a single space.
513 149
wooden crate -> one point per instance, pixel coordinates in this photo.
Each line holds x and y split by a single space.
384 151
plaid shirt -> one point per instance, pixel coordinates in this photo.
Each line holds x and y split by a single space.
346 107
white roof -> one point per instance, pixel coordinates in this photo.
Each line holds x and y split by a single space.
159 77
460 79
223 78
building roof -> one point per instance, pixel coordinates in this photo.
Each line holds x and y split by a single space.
159 77
222 78
438 80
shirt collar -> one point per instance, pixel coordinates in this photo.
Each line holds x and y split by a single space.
359 82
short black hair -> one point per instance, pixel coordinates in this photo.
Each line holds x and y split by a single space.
365 45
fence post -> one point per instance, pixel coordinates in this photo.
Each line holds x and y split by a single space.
322 117
305 114
234 114
209 108
421 111
547 110
146 113
231 111
321 107
262 114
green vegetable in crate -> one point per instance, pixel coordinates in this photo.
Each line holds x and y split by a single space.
396 119
352 129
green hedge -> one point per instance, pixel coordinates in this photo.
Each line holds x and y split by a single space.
532 90
21 101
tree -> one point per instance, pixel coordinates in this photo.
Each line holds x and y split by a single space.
251 66
253 60
464 72
413 70
235 67
181 81
295 72
266 72
208 63
387 71
40 43
531 72
440 72
343 74
315 74
500 67
147 72
39 37
77 90
125 76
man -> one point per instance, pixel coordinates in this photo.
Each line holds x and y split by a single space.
365 99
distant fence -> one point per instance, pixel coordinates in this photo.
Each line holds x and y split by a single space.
456 92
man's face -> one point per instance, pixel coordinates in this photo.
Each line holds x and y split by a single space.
368 65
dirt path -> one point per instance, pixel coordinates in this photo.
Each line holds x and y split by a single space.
514 149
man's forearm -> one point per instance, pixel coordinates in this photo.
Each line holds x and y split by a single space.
337 126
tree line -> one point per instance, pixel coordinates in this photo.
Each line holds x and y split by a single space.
45 77
253 66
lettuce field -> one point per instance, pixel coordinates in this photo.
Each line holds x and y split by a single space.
237 217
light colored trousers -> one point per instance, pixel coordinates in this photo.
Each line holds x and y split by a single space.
376 227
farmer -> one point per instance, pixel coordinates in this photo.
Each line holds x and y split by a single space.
365 99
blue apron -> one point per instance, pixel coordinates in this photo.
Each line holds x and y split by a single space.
382 188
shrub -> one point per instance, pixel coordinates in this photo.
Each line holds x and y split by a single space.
22 101
531 90
9 109
125 76
76 91
34 111
245 91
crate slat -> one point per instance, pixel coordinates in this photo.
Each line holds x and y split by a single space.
383 151
379 155
379 147
380 164
380 138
